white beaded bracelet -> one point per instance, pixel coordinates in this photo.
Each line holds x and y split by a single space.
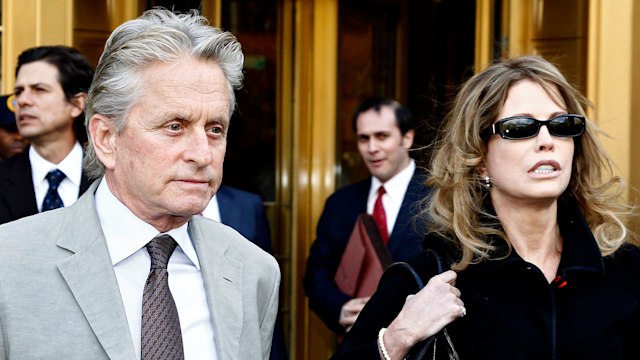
381 346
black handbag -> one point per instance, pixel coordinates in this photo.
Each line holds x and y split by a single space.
438 346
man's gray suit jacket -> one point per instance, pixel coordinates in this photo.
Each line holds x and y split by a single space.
59 297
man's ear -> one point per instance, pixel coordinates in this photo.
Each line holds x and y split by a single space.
102 131
78 102
407 139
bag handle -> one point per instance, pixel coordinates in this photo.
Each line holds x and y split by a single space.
421 349
403 266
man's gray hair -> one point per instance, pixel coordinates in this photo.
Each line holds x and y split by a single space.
157 36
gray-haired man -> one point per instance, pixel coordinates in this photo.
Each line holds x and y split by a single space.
157 113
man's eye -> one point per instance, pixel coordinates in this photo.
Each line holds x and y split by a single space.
175 127
216 130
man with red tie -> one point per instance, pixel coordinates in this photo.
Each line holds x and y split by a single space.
385 131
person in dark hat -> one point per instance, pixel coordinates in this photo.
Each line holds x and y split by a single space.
11 142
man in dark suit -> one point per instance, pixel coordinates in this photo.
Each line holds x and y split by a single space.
244 212
385 131
50 92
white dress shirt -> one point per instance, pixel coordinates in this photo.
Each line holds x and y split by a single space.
395 188
126 236
71 166
212 211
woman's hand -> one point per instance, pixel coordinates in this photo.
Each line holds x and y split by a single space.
350 311
424 314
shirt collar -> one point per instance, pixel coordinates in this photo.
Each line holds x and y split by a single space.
396 186
125 233
212 211
71 165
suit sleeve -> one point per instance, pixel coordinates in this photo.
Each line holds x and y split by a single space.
3 354
263 236
3 349
263 240
333 230
269 319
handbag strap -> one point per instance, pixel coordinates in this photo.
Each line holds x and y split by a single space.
421 349
404 267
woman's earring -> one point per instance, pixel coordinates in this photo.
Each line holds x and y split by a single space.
487 182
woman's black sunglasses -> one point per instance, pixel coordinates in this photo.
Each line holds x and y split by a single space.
523 127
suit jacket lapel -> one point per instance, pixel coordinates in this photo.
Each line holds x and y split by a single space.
406 221
223 285
21 198
84 184
90 276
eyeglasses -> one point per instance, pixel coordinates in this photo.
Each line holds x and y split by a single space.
523 127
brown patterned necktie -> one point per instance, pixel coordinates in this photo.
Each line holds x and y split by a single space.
161 335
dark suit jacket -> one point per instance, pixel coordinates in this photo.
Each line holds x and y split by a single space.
512 310
244 212
17 197
334 228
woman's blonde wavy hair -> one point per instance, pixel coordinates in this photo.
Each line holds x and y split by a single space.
455 208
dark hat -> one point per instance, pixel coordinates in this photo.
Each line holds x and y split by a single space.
7 116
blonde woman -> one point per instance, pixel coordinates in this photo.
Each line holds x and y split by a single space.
528 217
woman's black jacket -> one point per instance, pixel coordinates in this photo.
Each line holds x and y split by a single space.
591 310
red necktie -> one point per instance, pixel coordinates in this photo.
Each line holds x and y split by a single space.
380 216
